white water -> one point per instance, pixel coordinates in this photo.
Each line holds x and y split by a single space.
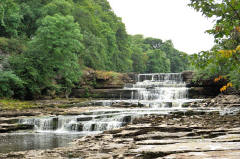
159 93
160 90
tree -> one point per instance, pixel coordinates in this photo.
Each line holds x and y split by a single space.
94 54
31 12
157 62
153 42
178 60
10 18
139 56
227 15
62 7
139 59
223 59
52 56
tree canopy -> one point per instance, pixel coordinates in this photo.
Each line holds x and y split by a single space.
222 61
154 55
49 42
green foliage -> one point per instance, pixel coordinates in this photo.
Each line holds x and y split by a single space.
220 60
178 60
42 45
139 56
11 46
234 76
10 85
154 55
157 62
153 42
10 18
31 12
139 60
94 55
52 56
58 36
226 13
62 7
58 41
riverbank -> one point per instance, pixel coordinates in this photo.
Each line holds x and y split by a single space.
191 134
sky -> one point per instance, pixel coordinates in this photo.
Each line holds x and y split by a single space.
166 20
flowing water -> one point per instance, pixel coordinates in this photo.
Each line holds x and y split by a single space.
160 90
159 93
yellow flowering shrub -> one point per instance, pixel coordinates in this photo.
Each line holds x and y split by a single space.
229 53
224 88
238 28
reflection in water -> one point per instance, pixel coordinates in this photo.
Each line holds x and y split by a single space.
29 141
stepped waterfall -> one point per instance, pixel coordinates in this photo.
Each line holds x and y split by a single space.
159 93
160 90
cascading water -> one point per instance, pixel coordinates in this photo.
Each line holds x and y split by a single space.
152 94
79 123
159 92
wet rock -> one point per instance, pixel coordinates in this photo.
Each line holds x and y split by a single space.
14 127
121 104
102 93
126 105
133 77
188 113
127 119
8 120
187 76
84 119
16 114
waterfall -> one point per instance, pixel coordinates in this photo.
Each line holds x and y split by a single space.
161 93
78 123
160 90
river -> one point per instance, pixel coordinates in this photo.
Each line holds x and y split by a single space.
153 94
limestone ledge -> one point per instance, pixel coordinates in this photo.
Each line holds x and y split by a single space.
164 137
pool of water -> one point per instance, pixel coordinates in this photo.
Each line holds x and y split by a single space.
28 141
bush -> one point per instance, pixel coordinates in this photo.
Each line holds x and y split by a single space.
10 85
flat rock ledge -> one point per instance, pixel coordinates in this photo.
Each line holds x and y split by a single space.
208 135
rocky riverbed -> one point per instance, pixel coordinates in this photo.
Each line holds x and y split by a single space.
179 135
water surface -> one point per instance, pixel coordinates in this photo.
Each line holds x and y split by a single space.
28 141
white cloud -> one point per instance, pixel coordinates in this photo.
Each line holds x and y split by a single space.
166 19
